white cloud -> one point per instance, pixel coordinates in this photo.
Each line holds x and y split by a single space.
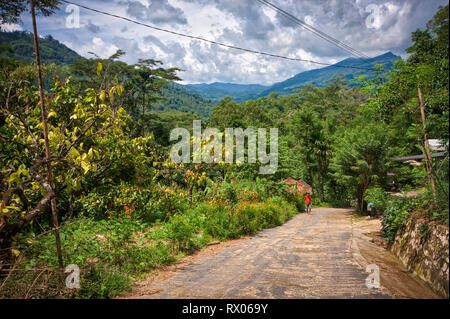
11 27
247 24
99 47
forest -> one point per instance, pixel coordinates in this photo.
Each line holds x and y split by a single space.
99 189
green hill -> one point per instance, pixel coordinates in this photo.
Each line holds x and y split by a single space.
217 90
178 98
52 51
318 77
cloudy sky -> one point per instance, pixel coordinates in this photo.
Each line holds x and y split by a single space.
370 26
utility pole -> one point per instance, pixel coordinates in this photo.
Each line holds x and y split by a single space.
427 145
47 145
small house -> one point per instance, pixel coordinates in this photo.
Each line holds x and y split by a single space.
299 186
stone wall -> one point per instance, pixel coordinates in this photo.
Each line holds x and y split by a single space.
424 250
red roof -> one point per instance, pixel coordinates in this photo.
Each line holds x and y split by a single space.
302 186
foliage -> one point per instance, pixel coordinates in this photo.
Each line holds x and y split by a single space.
11 10
178 98
51 50
296 199
378 197
362 156
110 251
396 216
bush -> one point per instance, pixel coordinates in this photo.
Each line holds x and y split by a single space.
103 284
436 211
296 199
396 216
378 197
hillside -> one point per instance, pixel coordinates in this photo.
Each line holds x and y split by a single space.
52 51
318 77
178 98
217 90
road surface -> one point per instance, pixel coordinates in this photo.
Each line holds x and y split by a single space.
310 256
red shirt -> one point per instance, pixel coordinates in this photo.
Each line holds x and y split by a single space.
308 199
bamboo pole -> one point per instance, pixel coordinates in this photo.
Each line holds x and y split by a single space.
46 141
427 145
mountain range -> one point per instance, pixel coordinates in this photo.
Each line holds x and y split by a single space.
319 77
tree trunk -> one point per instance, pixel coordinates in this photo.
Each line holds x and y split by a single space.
47 146
362 207
427 145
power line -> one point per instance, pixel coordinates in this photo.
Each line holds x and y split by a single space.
314 30
214 42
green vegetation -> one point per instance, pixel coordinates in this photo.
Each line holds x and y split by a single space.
318 77
216 91
52 51
124 208
177 98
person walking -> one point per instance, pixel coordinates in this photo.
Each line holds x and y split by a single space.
308 202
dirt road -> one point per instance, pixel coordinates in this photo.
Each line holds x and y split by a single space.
310 256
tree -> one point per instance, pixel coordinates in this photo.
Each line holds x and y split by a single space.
10 10
73 122
320 111
361 157
145 85
413 97
142 82
227 114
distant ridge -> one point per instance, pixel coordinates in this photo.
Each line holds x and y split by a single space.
217 90
319 77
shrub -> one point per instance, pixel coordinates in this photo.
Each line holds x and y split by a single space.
296 199
436 211
396 216
378 197
229 192
99 283
424 230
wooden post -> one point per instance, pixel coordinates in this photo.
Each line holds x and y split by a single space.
427 145
47 146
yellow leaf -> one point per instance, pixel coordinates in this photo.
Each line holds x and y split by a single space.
15 252
86 166
119 89
99 68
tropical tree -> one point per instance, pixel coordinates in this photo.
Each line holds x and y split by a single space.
73 122
362 156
